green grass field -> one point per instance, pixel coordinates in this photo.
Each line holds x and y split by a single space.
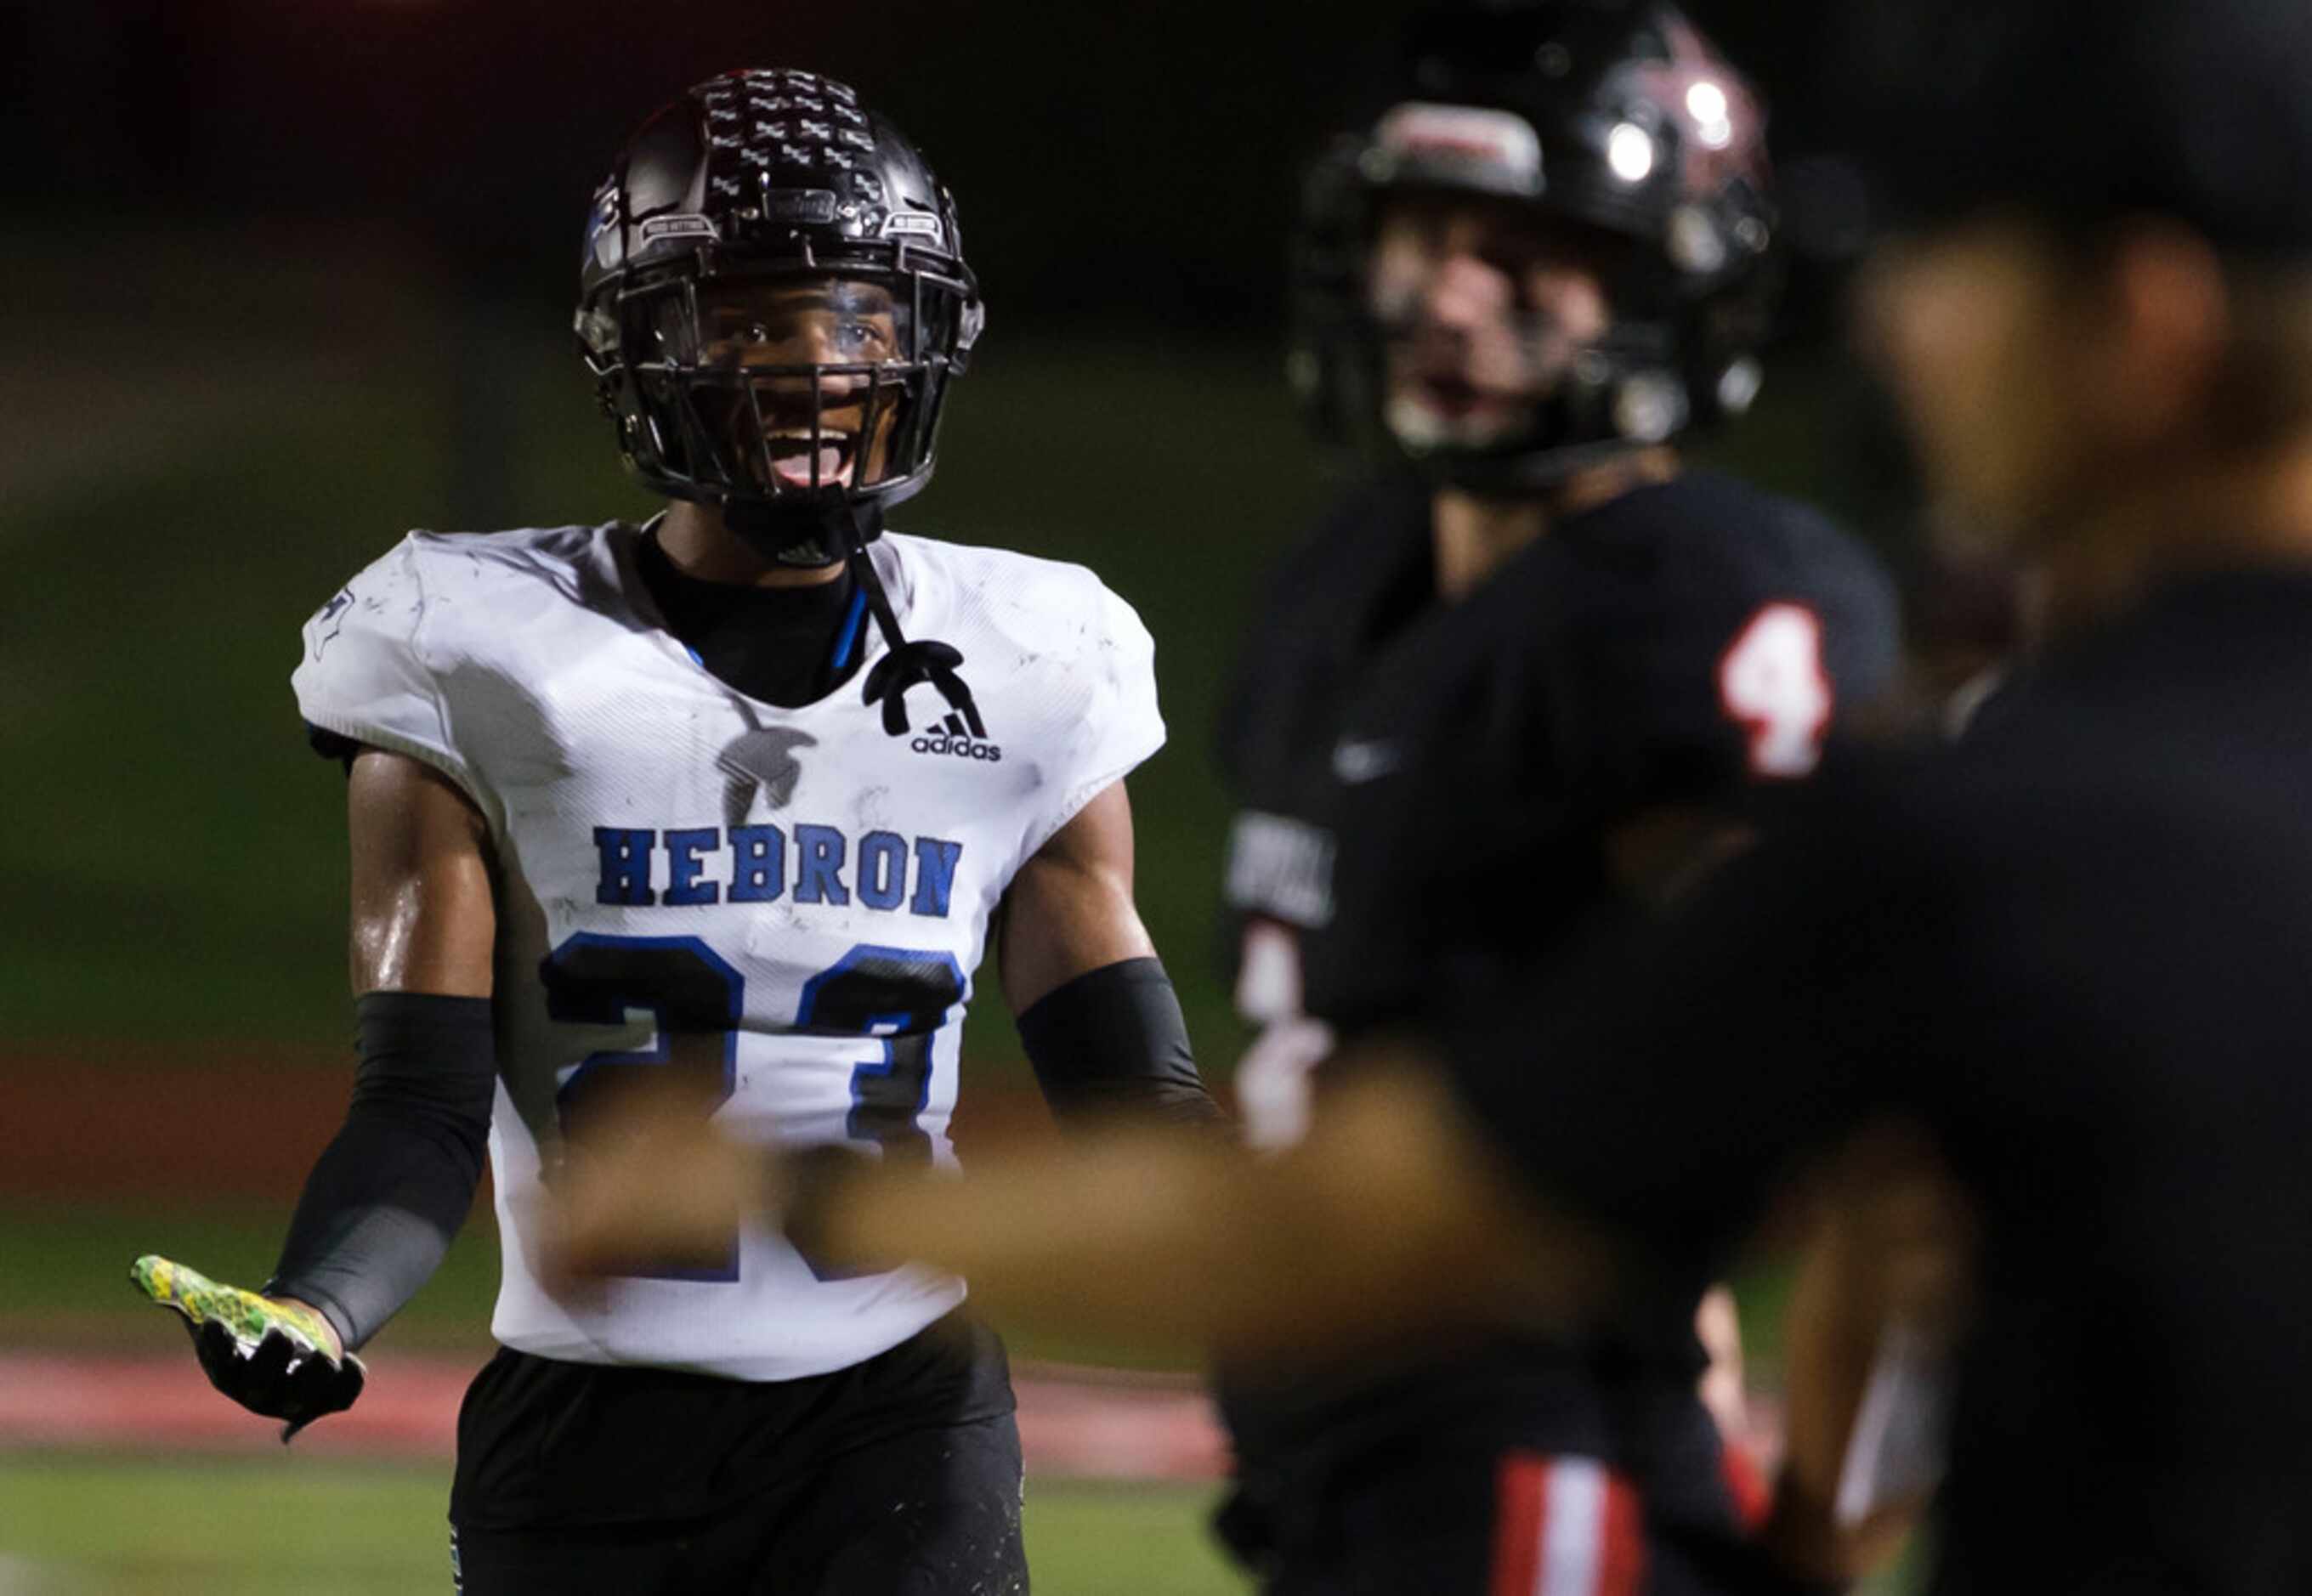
78 1526
82 1526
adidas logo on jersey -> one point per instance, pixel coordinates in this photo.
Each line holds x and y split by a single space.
952 738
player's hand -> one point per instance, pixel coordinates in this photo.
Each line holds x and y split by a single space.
651 1187
275 1357
1885 1289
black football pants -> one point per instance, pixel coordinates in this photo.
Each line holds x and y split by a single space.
1425 1511
900 1476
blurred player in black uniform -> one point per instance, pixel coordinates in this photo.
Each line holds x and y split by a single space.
2071 953
1518 681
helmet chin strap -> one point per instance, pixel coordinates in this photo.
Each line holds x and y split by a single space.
905 665
824 529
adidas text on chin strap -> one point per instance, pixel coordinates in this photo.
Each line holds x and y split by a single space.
907 664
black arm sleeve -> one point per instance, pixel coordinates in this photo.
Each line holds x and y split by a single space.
1111 1045
388 1193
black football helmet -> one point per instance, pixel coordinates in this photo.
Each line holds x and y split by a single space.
756 192
1617 117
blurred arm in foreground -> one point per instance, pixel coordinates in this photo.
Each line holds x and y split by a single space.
1393 1219
1392 1216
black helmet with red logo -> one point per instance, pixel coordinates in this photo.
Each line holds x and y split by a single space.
1617 117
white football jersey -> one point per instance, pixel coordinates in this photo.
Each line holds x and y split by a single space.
786 904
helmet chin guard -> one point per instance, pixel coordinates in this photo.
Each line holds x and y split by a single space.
1615 117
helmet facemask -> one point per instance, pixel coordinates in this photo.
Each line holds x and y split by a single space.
1502 333
792 394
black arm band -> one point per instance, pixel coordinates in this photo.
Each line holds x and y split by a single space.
1111 1045
387 1195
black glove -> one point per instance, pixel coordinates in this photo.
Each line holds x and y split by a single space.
272 1358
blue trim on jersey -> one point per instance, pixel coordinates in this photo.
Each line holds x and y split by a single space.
849 636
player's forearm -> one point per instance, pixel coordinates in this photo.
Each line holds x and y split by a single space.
1392 1217
1881 1294
387 1196
375 1220
1125 1236
1373 1229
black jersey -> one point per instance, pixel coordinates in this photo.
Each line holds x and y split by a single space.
1424 787
1424 790
2076 949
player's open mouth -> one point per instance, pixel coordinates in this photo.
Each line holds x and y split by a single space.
1446 412
1452 396
793 456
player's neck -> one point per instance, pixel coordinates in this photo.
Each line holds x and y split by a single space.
1475 536
702 546
2237 514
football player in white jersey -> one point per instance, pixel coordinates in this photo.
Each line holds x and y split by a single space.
724 804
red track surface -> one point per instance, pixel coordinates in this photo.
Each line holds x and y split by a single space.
120 1124
1081 1427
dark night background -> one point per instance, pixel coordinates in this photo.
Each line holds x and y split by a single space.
1128 158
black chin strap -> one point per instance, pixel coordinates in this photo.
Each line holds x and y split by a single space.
907 664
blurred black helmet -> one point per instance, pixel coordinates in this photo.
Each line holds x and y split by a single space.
1616 115
757 195
2081 113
